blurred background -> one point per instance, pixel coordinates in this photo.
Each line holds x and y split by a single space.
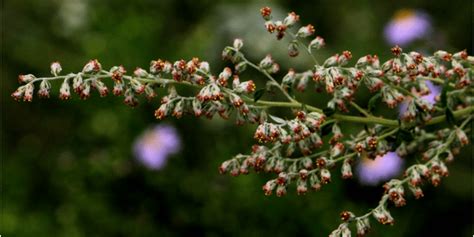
86 168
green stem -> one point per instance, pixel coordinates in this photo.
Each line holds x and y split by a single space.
361 110
307 49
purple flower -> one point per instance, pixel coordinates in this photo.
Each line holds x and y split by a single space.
154 146
430 98
382 168
407 26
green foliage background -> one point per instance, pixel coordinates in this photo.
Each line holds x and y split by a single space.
67 167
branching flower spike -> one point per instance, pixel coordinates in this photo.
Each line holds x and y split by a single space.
305 149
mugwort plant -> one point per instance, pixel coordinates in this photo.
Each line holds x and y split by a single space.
307 149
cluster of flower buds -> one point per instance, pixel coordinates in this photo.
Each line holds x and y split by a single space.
342 230
301 132
368 145
279 26
394 190
282 26
269 65
382 215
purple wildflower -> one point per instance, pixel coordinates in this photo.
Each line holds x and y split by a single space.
407 26
382 168
154 146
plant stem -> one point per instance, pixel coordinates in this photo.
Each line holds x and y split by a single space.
361 110
275 83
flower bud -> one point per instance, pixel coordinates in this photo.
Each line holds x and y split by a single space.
44 89
246 87
64 91
301 187
347 216
266 13
268 187
291 19
346 169
101 88
344 58
383 216
241 67
238 43
396 50
289 78
316 43
461 55
267 62
55 68
28 94
345 231
18 94
178 109
337 150
363 226
77 83
140 72
137 86
150 92
85 90
302 83
461 136
416 190
331 61
281 190
435 179
93 66
293 48
314 182
325 176
443 55
26 78
305 31
118 88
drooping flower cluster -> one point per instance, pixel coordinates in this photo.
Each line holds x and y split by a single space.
305 149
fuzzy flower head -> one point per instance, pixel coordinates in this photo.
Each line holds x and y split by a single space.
407 26
382 168
154 146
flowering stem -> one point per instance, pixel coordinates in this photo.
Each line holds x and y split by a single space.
369 119
275 83
307 49
437 80
404 181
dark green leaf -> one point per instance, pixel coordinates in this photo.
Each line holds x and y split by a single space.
328 112
258 94
450 117
277 119
325 130
405 135
372 102
290 91
444 92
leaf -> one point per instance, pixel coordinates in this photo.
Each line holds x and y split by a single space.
277 119
258 94
329 112
372 101
405 135
450 117
325 130
290 91
444 92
